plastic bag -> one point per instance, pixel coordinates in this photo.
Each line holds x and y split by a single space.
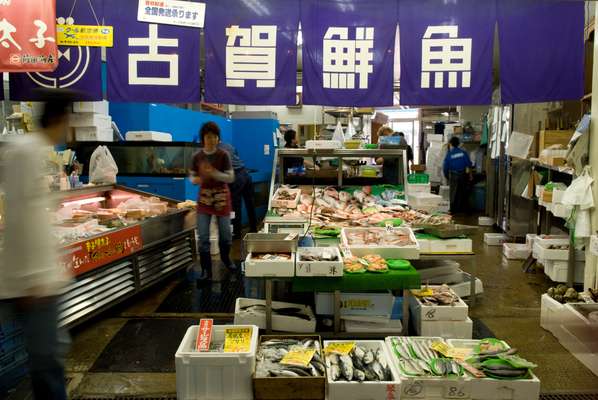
579 193
102 167
338 134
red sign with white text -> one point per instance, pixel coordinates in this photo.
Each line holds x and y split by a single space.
204 335
28 35
85 256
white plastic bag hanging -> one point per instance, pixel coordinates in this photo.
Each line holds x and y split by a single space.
350 132
338 134
579 193
102 167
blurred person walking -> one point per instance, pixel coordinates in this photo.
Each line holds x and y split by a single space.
31 279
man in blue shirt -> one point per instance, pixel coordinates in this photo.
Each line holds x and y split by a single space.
241 190
457 169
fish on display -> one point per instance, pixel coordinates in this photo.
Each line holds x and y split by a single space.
417 358
258 309
272 351
360 365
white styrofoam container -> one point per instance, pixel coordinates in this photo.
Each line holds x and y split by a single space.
495 239
259 268
418 188
410 252
444 329
579 335
530 239
450 246
429 387
94 134
557 270
149 136
424 246
393 326
548 240
97 107
550 315
463 289
544 253
356 303
418 199
445 192
214 376
343 390
457 312
516 251
444 206
500 389
485 221
323 144
280 323
319 268
278 203
82 120
580 350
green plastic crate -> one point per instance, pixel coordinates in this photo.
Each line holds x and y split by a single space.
418 178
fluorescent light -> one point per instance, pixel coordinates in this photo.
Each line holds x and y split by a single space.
83 201
446 114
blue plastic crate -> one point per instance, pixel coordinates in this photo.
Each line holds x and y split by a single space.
11 343
12 359
11 378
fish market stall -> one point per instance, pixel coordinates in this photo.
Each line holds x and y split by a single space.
116 242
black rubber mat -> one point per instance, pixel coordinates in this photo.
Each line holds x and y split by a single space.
215 297
569 396
143 345
480 330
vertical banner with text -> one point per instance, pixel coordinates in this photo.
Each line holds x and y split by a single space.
151 62
446 51
541 50
251 52
28 35
348 52
79 67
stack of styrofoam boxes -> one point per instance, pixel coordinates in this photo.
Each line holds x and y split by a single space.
13 357
362 312
92 122
435 157
496 389
448 322
424 201
516 251
445 204
495 239
556 262
214 375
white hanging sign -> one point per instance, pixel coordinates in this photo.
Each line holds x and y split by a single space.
172 12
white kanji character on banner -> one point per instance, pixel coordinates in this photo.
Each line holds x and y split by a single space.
7 29
40 40
440 55
253 58
152 42
344 57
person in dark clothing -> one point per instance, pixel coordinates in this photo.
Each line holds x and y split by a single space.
405 143
457 169
390 165
241 191
290 138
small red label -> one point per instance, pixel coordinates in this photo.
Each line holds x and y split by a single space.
204 335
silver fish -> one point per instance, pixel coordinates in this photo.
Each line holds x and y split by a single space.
346 365
358 375
359 352
377 368
368 358
335 372
283 372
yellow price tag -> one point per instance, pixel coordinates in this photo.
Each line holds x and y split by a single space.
85 35
460 353
343 348
442 348
237 340
298 356
422 292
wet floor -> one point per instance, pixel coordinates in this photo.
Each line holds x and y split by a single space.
129 350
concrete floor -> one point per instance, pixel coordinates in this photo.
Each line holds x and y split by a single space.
510 307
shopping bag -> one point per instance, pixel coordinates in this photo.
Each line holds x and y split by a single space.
579 193
102 167
338 134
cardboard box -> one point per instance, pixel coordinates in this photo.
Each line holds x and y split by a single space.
550 138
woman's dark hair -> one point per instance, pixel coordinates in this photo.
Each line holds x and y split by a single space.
289 136
455 142
209 127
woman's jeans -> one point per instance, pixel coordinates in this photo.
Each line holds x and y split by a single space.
224 232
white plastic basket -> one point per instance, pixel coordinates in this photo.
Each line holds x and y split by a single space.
211 375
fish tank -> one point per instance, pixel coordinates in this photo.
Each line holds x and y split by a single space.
162 159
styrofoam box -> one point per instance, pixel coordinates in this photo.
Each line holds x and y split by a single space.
495 239
544 253
500 389
451 246
457 312
418 199
579 336
557 270
445 192
323 144
547 240
82 120
463 289
424 246
211 375
410 252
257 268
280 323
366 390
148 135
319 268
277 203
428 387
356 303
94 134
516 251
485 221
393 326
550 315
444 329
418 188
97 107
530 239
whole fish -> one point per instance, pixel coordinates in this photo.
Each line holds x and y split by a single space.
358 375
284 372
377 369
368 358
346 365
335 372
